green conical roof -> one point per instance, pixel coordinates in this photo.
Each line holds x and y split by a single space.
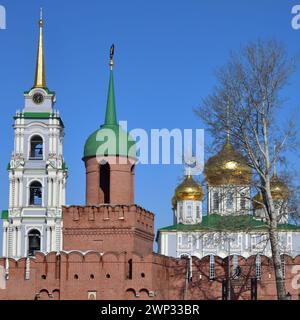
110 139
110 115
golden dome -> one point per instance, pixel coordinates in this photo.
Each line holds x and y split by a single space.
279 191
228 167
189 189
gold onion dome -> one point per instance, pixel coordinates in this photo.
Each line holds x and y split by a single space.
228 167
279 192
189 189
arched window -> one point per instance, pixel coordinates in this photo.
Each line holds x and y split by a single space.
180 212
36 148
35 194
229 200
198 212
129 276
189 211
104 182
216 201
243 201
34 242
212 274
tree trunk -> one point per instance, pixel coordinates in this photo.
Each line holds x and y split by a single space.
280 285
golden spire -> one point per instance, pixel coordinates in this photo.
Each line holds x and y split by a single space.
111 61
40 78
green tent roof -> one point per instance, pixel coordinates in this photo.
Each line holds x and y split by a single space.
110 139
217 222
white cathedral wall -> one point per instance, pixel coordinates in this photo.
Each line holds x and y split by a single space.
188 212
201 244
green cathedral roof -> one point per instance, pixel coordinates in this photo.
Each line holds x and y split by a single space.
110 139
216 222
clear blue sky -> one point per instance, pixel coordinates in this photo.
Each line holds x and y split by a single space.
166 54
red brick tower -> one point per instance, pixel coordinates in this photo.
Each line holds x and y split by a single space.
109 157
110 221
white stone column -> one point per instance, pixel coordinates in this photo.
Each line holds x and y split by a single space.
64 192
53 242
27 195
54 192
50 140
53 141
14 242
22 141
48 240
4 246
16 194
19 242
17 141
58 237
20 204
60 194
49 191
11 192
163 244
25 250
42 240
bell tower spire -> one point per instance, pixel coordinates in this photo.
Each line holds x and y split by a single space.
110 115
40 77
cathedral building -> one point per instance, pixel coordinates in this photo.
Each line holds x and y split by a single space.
104 249
235 223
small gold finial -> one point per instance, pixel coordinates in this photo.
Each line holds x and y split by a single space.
112 51
40 78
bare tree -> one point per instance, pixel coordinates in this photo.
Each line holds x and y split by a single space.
246 103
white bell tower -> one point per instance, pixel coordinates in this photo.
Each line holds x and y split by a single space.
37 172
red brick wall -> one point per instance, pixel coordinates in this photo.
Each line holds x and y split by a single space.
108 228
74 275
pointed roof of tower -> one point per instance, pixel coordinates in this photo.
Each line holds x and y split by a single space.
123 144
40 76
110 114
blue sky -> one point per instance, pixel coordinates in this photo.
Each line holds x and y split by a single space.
166 55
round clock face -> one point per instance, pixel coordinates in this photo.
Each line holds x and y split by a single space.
38 98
